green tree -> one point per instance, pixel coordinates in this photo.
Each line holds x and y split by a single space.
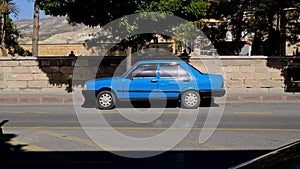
101 12
8 33
274 19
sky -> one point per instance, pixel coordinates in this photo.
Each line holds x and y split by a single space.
25 10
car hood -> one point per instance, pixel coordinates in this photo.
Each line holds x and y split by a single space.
97 83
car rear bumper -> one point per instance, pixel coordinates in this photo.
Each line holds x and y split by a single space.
212 93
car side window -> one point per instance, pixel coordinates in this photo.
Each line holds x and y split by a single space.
144 71
172 70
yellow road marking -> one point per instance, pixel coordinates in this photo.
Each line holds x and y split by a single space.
252 113
76 139
27 147
217 147
153 128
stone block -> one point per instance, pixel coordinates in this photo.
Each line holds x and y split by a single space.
263 76
234 84
38 84
276 76
54 89
67 70
18 77
3 84
242 62
227 62
82 63
229 69
236 76
266 84
29 63
40 77
258 62
13 63
16 84
261 69
51 69
7 69
278 83
35 70
20 70
1 77
273 70
248 69
250 75
44 63
250 83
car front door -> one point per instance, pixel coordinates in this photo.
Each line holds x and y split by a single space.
143 82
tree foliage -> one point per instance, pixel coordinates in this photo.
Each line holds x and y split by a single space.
101 12
272 22
11 40
9 34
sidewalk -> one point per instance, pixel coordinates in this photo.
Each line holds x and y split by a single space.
232 96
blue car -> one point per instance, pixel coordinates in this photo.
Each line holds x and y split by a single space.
156 79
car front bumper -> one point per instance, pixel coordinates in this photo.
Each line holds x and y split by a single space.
89 97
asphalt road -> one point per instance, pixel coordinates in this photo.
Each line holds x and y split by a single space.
248 126
243 131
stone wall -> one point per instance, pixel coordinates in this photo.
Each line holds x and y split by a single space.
57 49
56 73
248 72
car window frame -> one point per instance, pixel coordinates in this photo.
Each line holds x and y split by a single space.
128 74
174 77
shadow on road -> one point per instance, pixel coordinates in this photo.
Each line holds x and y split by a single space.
147 104
5 146
90 160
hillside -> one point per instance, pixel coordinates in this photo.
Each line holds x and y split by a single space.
55 30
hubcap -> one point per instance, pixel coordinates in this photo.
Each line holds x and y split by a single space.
105 100
191 99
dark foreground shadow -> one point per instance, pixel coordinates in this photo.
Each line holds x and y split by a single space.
90 160
5 139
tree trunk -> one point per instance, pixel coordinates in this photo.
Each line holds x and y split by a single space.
128 58
36 27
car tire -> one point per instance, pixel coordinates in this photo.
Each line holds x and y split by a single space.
190 100
106 99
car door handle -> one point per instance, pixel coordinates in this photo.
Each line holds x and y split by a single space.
154 80
186 80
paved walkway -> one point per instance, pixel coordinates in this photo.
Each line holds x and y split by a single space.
248 95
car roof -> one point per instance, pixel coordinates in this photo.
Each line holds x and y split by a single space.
160 61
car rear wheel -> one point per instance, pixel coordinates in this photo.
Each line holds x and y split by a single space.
106 100
190 100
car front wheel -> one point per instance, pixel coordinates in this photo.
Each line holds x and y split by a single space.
106 100
190 100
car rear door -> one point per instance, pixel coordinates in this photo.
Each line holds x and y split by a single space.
173 79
